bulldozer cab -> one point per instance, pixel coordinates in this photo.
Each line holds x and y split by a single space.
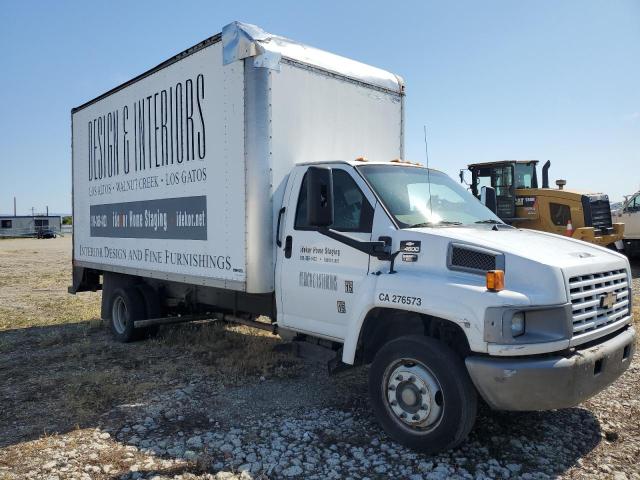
504 177
521 202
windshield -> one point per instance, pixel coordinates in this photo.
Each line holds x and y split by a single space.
526 175
416 198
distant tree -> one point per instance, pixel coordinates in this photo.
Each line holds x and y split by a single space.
68 220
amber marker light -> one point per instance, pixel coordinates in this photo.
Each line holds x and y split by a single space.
495 280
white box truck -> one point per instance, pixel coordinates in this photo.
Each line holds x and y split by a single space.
254 176
629 214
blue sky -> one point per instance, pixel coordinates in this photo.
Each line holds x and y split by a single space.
491 80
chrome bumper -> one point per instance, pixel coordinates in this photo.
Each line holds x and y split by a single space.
546 383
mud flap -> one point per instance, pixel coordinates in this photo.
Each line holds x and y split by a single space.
84 280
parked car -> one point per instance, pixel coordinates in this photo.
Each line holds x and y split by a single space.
45 233
629 214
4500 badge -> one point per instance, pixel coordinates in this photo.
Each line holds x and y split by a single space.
399 299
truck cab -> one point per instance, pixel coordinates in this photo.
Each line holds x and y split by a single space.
388 258
629 214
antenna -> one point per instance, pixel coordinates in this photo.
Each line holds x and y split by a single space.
426 151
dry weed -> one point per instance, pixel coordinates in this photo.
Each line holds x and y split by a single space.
61 368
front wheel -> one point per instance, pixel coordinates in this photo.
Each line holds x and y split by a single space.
421 394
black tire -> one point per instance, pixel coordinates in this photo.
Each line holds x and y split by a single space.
153 307
126 306
450 414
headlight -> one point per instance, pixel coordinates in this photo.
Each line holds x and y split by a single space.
517 324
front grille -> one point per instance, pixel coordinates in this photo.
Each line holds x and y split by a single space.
586 293
597 213
472 259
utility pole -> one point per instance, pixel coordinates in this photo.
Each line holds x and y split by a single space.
33 212
14 207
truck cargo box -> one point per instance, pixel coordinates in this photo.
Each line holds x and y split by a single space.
178 174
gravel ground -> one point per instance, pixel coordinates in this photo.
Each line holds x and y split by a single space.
318 427
302 425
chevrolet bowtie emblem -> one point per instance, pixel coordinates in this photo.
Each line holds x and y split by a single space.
608 300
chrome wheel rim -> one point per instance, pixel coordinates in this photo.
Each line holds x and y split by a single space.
119 315
413 395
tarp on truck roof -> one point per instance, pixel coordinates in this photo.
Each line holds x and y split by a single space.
242 40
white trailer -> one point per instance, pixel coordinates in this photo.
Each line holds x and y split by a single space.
252 175
181 171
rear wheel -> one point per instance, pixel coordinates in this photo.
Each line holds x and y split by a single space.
421 394
127 306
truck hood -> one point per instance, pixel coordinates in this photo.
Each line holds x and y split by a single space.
546 248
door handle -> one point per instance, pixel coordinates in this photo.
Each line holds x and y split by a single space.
278 242
288 245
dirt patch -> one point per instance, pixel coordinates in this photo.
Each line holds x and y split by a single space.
60 367
34 276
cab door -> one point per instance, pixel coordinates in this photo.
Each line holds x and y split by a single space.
319 277
631 218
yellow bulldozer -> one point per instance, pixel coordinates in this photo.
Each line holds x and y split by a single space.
520 202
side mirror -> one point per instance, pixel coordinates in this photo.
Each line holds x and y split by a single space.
463 180
319 196
489 199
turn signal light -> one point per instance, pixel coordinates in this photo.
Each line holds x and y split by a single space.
495 280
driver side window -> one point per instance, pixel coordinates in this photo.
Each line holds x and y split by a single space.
634 204
352 211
